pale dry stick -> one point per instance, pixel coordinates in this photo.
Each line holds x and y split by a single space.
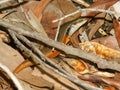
40 54
58 29
85 10
102 63
65 74
57 33
35 49
4 1
35 58
81 2
12 76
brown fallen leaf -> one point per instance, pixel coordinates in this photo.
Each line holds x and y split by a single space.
53 54
108 81
9 57
30 5
39 8
99 4
96 26
117 30
55 10
109 88
117 76
34 81
60 83
108 41
35 23
22 66
12 58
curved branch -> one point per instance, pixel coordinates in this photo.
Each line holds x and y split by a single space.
12 76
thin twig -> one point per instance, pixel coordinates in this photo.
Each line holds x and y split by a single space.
12 76
35 58
86 10
81 2
58 29
65 74
57 33
102 63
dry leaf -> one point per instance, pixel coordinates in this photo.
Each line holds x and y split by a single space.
94 78
35 22
39 8
9 57
34 81
60 83
55 10
99 4
100 50
96 26
117 30
109 88
30 5
117 76
108 41
78 65
53 54
22 66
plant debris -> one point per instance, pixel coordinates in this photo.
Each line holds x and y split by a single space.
59 45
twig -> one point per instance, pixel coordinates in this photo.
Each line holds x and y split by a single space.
94 78
81 2
35 58
64 74
86 10
102 63
57 33
12 76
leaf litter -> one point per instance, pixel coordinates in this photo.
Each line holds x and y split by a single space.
59 45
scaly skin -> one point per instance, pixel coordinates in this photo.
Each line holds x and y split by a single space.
100 50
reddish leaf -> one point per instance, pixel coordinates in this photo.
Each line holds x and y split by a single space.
109 88
55 10
56 53
51 13
117 30
39 8
30 5
109 41
94 28
99 4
